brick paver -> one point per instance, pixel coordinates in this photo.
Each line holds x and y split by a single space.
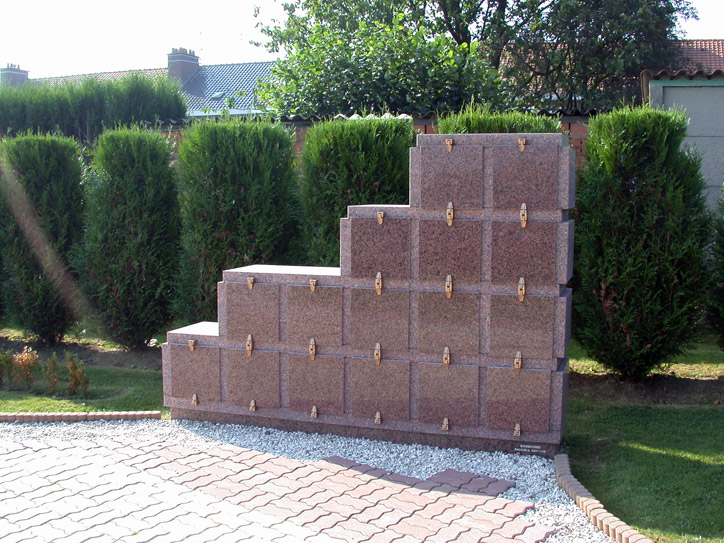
72 492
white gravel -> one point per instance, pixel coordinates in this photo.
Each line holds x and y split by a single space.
534 477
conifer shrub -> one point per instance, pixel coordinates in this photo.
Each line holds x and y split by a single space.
479 119
236 203
130 248
41 209
24 364
350 162
715 312
6 368
641 234
77 378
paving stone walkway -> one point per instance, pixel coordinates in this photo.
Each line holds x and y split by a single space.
107 491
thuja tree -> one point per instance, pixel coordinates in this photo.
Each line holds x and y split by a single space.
716 274
41 209
237 205
640 241
350 162
480 119
130 249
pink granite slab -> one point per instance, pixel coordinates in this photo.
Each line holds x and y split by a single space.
384 388
530 177
526 326
254 377
381 248
252 312
451 176
194 372
450 393
518 399
314 315
448 322
318 382
380 319
450 250
528 252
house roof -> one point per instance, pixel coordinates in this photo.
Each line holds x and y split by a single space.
210 87
706 55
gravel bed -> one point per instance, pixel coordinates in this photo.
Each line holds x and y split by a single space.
534 477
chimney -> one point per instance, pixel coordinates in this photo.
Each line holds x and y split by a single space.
182 64
13 76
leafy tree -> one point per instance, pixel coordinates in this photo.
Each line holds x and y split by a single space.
572 53
641 235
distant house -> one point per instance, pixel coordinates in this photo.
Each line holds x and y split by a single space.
209 90
697 86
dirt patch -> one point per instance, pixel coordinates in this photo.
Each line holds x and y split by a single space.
93 354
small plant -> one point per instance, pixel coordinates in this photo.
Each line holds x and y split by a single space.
50 372
480 119
77 379
24 366
6 367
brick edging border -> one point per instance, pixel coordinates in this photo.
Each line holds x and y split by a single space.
612 526
79 417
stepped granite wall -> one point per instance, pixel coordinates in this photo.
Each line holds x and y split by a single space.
447 323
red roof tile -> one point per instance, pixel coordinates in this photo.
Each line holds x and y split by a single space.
707 55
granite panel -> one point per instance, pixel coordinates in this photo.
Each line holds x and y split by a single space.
528 252
317 382
254 377
449 322
449 392
383 319
384 388
526 326
381 248
518 399
451 176
252 312
450 250
194 372
530 177
315 315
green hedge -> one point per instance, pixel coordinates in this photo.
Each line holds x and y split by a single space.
641 234
41 184
83 110
716 275
350 162
479 119
237 205
130 249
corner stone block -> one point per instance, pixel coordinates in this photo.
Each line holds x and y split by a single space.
450 250
450 392
318 382
530 177
383 319
252 312
449 322
518 399
526 326
381 248
254 377
451 176
528 252
314 315
384 388
194 372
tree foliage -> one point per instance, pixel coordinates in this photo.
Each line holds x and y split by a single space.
345 55
641 235
83 110
40 224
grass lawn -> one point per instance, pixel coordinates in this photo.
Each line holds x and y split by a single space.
652 452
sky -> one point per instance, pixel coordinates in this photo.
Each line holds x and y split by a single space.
50 37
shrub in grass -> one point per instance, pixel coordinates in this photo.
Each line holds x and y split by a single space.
237 205
24 366
479 119
49 368
130 249
361 161
77 378
6 368
640 241
41 209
